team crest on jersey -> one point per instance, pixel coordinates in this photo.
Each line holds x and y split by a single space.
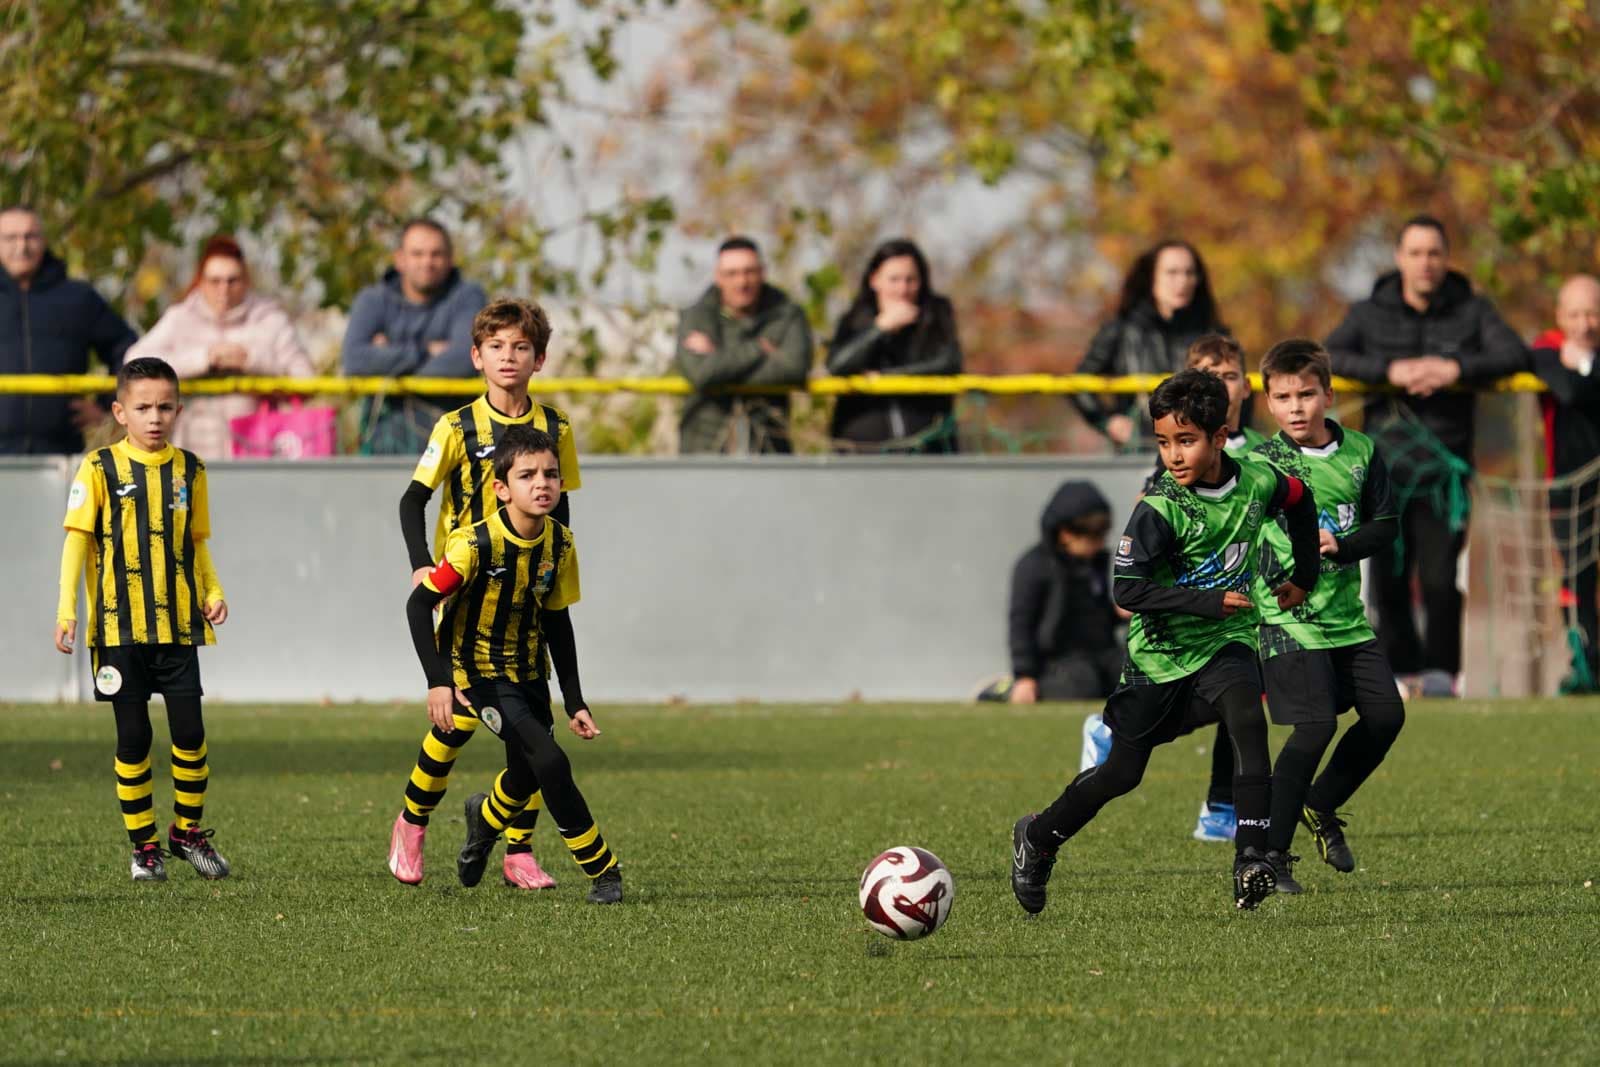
1358 476
490 717
1253 516
1125 550
545 578
180 493
108 680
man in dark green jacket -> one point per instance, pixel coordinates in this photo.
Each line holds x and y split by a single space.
741 331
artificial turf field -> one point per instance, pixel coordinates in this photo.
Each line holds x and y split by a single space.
1469 933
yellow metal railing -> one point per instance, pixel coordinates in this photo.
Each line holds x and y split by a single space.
994 384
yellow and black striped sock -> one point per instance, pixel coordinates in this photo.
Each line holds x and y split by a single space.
189 777
590 851
500 807
519 835
135 791
429 777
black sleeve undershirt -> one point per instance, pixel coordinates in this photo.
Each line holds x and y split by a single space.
414 524
1379 526
419 617
1301 519
1147 540
557 627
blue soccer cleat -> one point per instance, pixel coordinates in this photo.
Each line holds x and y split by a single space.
1217 822
1096 743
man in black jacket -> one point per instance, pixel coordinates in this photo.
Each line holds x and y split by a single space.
48 325
1424 332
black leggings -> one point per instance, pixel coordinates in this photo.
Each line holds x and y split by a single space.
534 761
1238 705
134 733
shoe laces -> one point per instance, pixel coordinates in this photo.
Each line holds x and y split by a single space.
198 839
149 855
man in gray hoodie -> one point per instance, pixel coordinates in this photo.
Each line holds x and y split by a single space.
417 321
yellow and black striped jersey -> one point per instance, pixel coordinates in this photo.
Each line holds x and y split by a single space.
148 514
499 584
459 458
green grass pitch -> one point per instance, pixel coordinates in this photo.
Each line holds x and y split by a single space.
1470 932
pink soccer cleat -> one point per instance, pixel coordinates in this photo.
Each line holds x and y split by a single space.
524 872
405 850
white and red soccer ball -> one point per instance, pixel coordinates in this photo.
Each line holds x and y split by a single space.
906 893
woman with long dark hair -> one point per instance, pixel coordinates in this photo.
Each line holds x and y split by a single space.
1166 305
897 324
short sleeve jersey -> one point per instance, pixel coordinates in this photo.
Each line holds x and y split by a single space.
1350 483
146 512
459 459
1194 538
499 585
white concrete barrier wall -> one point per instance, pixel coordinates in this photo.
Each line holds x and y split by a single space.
772 579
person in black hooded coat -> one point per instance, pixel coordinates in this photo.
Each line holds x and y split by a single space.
1063 625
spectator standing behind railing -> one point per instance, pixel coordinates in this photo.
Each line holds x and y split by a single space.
222 327
1566 358
417 321
741 331
1424 330
896 325
49 323
1166 305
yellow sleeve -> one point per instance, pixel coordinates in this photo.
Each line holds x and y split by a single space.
86 497
565 592
459 564
443 455
567 447
74 554
206 574
199 506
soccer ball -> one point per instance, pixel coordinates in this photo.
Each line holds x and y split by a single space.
906 893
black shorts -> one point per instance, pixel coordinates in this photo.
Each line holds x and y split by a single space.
1154 713
135 673
501 705
1317 685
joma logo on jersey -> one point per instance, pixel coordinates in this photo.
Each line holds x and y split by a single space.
494 572
485 452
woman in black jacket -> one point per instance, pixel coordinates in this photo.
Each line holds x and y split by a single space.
1166 305
896 325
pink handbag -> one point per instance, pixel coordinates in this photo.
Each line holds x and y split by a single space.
284 431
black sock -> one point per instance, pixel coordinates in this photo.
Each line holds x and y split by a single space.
1291 779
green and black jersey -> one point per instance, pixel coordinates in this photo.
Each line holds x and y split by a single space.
1184 548
1350 483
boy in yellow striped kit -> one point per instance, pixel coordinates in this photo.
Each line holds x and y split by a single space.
138 525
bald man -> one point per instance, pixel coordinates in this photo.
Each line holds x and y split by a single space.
1566 359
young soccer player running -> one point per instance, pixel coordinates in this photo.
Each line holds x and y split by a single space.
1221 355
510 580
137 529
509 341
1321 657
1184 567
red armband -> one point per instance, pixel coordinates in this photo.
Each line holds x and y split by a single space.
1297 489
443 578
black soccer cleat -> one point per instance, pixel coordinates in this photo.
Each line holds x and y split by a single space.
1328 830
481 838
1253 880
1030 868
147 865
606 888
194 848
1283 870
